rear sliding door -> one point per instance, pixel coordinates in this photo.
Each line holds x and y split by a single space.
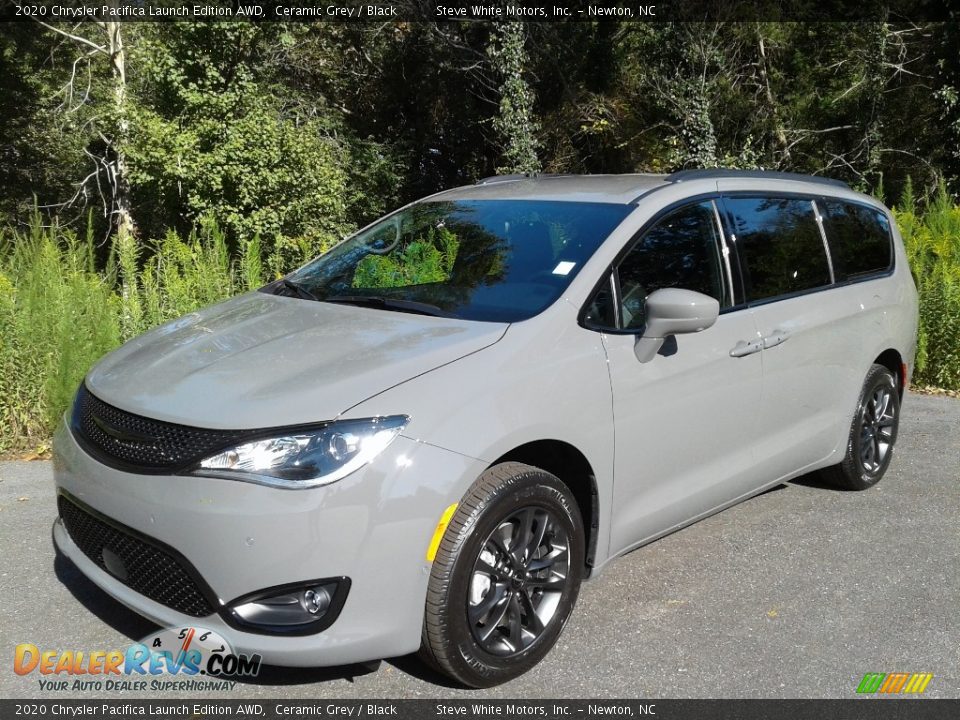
810 357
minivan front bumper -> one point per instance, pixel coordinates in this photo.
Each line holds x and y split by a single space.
236 538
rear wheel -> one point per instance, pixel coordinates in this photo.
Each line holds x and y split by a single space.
505 578
873 433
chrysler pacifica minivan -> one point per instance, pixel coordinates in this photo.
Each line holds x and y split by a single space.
426 438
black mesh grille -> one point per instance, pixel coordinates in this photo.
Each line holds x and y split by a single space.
121 437
138 564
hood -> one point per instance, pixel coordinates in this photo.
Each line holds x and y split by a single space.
262 360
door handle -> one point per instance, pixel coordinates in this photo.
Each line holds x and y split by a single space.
744 348
774 339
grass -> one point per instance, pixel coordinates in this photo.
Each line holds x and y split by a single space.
57 316
59 313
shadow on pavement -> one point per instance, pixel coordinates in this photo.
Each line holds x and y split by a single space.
816 481
774 489
413 665
276 675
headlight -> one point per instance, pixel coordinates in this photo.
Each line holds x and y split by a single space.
306 458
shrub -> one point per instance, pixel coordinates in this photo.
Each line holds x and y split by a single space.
932 242
424 260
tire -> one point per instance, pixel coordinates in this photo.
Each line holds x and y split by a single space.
873 434
496 605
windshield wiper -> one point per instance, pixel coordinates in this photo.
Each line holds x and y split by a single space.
377 301
297 289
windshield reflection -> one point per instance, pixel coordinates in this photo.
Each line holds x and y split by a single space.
490 260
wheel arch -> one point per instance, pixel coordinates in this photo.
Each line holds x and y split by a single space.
893 361
573 469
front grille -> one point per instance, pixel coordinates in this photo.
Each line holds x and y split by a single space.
142 566
121 439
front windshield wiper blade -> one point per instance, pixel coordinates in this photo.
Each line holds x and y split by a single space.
377 301
297 288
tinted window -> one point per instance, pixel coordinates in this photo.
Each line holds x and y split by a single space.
859 238
781 249
495 260
600 311
681 251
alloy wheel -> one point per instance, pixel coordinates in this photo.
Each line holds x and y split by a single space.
518 580
877 429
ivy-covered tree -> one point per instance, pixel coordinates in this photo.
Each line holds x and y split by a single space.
516 125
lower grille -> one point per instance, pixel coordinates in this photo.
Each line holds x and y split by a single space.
140 565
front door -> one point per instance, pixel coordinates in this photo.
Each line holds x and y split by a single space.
684 421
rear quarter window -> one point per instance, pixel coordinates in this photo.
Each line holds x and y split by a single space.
780 246
859 239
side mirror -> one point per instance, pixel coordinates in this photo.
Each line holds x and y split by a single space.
672 311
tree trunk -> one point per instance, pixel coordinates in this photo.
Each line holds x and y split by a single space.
122 216
876 85
775 121
113 162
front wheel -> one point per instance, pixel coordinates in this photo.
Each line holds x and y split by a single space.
873 433
505 578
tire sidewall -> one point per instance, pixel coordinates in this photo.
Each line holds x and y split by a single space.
531 489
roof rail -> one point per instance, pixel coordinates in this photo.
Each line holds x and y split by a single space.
517 176
718 173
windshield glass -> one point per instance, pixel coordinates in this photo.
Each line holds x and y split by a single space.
493 260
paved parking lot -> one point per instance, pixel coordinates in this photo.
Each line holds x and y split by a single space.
795 593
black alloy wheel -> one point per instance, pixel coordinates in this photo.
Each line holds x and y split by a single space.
872 434
878 424
518 581
505 578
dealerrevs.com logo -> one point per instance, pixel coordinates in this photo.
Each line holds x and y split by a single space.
182 659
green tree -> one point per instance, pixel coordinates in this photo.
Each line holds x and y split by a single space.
215 140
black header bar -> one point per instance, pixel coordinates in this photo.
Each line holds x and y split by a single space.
494 10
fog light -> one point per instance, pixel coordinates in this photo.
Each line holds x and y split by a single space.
298 609
316 600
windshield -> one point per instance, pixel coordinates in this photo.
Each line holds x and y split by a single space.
493 260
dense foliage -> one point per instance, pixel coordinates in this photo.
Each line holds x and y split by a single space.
933 246
148 169
301 132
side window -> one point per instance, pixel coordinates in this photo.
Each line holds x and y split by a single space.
681 251
600 312
859 239
780 246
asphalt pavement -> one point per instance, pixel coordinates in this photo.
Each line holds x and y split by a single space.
795 593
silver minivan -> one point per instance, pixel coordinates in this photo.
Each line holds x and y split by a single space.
426 438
